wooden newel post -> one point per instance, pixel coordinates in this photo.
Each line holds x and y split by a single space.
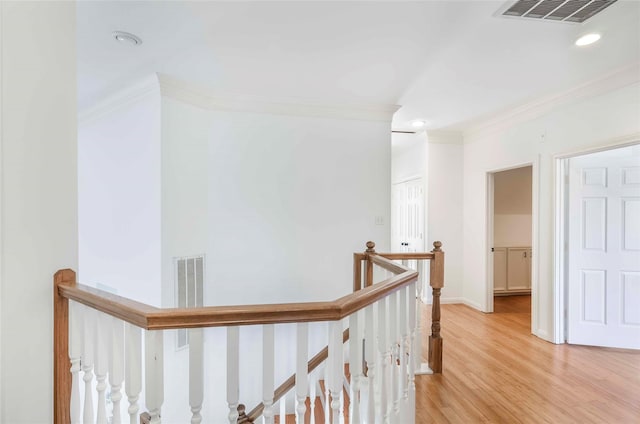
436 282
243 418
61 361
357 271
371 249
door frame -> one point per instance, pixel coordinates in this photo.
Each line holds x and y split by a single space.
560 238
535 260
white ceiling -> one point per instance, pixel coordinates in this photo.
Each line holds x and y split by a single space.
447 62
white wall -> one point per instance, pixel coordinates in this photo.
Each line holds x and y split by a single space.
278 204
512 208
38 200
444 214
119 194
409 157
569 126
281 202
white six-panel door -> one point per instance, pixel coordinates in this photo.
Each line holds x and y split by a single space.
604 249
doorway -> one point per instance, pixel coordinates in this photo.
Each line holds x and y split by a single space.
407 217
598 223
510 230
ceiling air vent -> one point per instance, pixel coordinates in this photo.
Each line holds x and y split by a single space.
558 10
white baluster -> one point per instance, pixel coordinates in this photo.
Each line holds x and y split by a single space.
268 360
370 341
75 352
196 374
312 398
116 367
133 369
87 363
233 372
154 373
393 334
283 410
403 349
355 367
335 365
420 367
383 348
103 334
327 393
411 408
342 404
302 379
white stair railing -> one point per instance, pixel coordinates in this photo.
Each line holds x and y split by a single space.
104 340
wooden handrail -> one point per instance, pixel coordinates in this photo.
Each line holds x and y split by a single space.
408 255
290 382
152 318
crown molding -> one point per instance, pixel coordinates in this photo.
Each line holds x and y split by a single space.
131 94
618 78
445 137
205 98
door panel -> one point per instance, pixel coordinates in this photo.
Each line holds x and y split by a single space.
631 223
499 269
630 298
594 224
518 269
594 295
604 249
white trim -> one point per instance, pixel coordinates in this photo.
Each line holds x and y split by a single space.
559 333
413 177
1 206
452 300
473 305
121 98
559 239
618 78
490 194
610 144
205 98
445 137
535 246
543 334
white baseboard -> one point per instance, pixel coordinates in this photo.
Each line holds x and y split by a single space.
450 300
444 300
454 300
473 305
543 334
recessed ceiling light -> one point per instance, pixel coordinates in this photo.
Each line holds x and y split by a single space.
587 39
418 123
127 38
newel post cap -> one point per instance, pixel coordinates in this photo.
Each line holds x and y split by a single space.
436 246
371 247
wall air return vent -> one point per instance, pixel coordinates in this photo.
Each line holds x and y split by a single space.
189 281
576 11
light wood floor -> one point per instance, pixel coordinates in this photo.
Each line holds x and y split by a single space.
496 371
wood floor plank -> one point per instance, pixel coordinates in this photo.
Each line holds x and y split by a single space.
495 371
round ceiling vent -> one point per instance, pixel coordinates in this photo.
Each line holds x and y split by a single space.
127 38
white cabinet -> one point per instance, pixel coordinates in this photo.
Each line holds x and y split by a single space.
500 269
511 270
